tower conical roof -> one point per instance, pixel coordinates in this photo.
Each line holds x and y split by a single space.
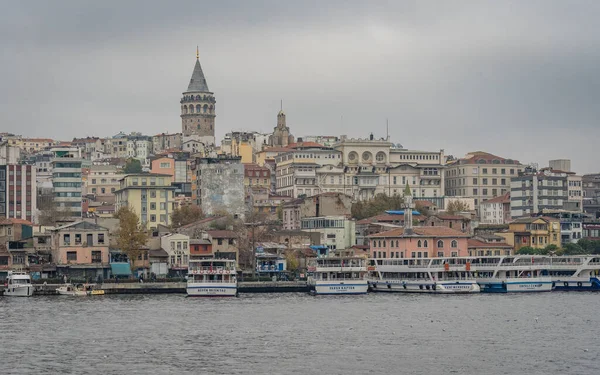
198 82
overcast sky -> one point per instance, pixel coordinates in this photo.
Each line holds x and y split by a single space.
519 79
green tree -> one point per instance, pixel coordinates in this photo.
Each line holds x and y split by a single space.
527 250
551 249
132 166
456 206
377 205
573 249
130 236
292 262
186 215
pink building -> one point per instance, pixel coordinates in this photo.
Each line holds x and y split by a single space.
419 242
80 249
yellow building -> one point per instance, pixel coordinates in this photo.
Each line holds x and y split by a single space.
535 232
242 148
150 195
269 154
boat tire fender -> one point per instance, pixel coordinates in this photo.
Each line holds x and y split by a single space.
579 284
566 283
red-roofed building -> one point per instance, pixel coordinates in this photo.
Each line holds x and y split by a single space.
489 245
419 242
457 222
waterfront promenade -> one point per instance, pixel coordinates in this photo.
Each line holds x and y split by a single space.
179 287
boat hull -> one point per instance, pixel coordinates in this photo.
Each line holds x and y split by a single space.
19 291
340 288
577 284
211 290
517 285
440 287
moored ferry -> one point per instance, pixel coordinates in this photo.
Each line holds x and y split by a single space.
212 278
425 275
493 274
338 275
18 284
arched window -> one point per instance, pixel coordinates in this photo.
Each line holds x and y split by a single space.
440 243
191 108
198 108
383 243
397 243
425 243
205 109
454 243
197 97
419 243
185 110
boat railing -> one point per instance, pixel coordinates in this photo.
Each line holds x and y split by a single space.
212 269
231 281
524 277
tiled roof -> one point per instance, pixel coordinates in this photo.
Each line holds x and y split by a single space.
499 199
425 231
477 156
424 203
222 233
387 218
21 221
451 217
202 221
477 243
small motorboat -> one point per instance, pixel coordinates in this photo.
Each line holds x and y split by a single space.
79 290
18 284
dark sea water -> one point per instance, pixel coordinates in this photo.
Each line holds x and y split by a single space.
301 334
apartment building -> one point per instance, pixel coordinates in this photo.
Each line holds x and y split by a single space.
480 175
533 191
67 182
150 195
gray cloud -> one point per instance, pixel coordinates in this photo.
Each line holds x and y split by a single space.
514 78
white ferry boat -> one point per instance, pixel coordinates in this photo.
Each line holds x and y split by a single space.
524 273
426 275
212 278
493 274
338 275
18 284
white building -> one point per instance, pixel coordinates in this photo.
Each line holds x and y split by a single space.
177 247
495 210
360 168
140 147
337 232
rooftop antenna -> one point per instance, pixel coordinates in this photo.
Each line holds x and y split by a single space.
197 52
281 104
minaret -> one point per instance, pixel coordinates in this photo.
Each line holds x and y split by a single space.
198 105
408 210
